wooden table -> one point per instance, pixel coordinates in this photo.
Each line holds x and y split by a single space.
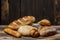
4 36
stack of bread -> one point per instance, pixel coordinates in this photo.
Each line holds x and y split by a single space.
46 28
21 27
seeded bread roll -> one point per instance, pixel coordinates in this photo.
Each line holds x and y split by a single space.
47 31
44 22
27 30
12 32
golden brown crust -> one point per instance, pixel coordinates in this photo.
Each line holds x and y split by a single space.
12 32
26 19
47 30
44 22
14 25
22 28
21 21
34 33
17 22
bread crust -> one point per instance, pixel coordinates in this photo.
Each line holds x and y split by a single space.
12 32
47 31
44 22
21 21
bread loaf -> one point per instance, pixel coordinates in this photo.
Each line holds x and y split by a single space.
12 32
26 20
21 21
47 31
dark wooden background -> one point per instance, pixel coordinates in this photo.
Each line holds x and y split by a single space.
41 9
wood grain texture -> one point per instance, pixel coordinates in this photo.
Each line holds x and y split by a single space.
4 11
4 36
57 11
41 9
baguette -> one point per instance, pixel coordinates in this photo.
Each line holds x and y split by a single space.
14 25
26 20
12 32
21 21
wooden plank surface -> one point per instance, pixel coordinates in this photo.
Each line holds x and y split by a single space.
41 9
4 36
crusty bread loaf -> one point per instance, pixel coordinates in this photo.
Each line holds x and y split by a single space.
12 32
47 31
26 20
21 21
14 25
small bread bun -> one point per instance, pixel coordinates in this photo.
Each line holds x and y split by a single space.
47 31
27 30
21 21
44 22
12 32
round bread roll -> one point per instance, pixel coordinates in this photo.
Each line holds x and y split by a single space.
47 31
27 30
44 22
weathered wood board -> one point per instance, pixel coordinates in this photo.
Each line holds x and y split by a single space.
4 36
41 9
